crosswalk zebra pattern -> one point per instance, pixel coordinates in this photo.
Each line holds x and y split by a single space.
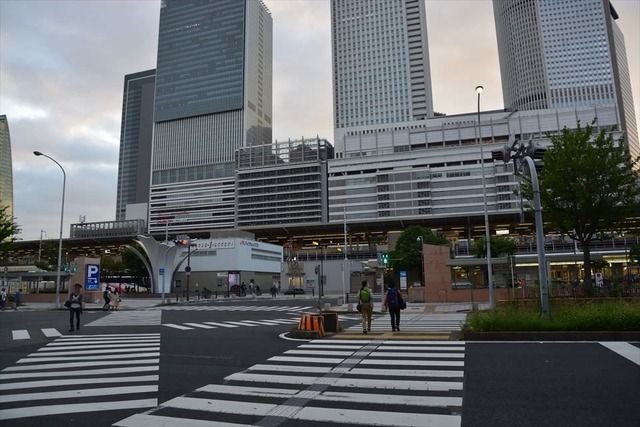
240 323
83 373
330 382
418 322
24 334
128 318
295 308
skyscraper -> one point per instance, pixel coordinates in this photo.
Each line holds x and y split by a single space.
6 168
213 96
381 69
136 137
564 53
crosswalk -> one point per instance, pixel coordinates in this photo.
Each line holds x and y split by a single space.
330 382
24 334
291 308
240 323
129 318
418 322
83 373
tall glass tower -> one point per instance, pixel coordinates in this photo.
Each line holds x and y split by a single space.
136 137
564 53
6 168
381 72
212 96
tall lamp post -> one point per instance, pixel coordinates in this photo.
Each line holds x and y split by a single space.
64 182
487 233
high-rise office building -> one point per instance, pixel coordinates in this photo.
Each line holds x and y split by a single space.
564 53
381 72
6 168
213 96
136 137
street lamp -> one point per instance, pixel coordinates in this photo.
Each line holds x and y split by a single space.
419 239
64 182
487 232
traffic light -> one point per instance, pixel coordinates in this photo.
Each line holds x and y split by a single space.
383 259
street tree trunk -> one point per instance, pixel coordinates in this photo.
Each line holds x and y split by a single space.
588 285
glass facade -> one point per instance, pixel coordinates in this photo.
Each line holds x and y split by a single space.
200 58
6 168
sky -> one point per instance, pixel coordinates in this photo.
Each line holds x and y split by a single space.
62 67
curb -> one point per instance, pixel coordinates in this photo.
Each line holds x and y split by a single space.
553 336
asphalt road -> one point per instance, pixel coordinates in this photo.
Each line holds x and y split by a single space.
229 358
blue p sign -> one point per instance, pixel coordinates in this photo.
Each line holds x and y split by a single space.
92 281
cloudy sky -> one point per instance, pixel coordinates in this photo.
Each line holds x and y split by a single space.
62 65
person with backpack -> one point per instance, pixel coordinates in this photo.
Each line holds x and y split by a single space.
394 302
366 306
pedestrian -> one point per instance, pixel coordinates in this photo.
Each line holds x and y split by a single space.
74 303
366 306
3 298
107 298
394 302
115 300
17 298
274 291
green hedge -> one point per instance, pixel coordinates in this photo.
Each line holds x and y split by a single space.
607 316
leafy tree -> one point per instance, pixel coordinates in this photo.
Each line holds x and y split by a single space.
8 228
407 255
589 185
499 246
48 256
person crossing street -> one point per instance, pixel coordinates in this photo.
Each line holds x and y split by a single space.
366 306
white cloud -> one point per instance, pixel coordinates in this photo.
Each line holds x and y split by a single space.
21 111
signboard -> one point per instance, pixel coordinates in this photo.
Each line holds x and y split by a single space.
92 277
187 270
403 280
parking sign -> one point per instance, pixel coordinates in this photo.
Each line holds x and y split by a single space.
92 281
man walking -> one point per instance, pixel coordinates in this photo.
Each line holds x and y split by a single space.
366 306
107 298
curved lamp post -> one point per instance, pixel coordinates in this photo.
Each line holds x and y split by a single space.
64 182
487 232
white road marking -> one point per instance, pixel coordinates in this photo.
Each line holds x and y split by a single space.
320 352
349 382
390 399
200 325
20 334
331 346
70 365
83 392
33 411
305 359
341 416
143 347
47 349
291 368
249 391
182 328
625 350
418 355
224 325
51 332
82 373
146 420
407 372
111 336
112 357
67 343
224 406
413 362
241 324
75 381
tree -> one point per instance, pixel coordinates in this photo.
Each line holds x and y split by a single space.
407 255
8 230
499 246
589 185
48 256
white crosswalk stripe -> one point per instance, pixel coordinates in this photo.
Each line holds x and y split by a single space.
129 318
25 334
68 376
231 324
417 322
279 308
423 388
